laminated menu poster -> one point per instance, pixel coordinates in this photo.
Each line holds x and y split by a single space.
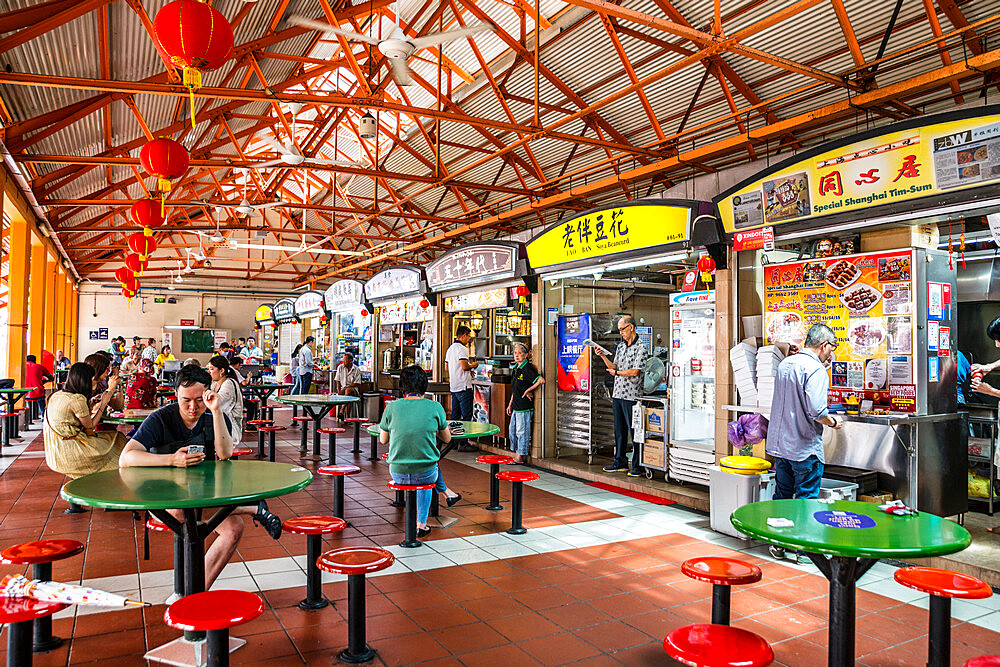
867 300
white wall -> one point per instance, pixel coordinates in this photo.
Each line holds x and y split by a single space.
146 319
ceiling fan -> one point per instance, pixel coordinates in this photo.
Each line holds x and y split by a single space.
216 235
397 47
246 208
289 156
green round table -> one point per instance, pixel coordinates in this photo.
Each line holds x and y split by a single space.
130 421
844 539
317 406
12 396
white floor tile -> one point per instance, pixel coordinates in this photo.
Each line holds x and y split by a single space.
427 562
989 621
158 578
893 591
269 565
469 556
450 544
492 539
509 550
115 584
268 582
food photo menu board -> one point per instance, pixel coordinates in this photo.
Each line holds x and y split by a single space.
869 301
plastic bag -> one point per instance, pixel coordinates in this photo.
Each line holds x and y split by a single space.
735 434
754 428
979 487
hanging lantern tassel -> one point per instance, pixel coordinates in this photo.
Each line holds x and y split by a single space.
950 259
961 242
192 80
707 266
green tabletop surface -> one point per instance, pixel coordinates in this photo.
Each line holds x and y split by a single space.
472 430
269 385
317 399
890 537
208 484
165 390
11 391
122 420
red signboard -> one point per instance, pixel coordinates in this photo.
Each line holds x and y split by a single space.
754 239
187 323
690 280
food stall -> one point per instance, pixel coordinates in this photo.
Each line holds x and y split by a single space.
593 268
404 321
265 329
853 239
350 326
289 330
486 287
311 313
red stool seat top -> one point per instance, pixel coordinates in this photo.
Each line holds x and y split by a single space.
156 525
302 418
984 661
269 429
260 422
40 551
355 560
8 414
706 645
213 610
242 451
333 429
356 420
254 400
497 459
385 457
313 525
171 398
16 610
338 469
517 475
943 582
409 487
717 570
367 424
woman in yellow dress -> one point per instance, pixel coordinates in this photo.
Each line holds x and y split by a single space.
71 446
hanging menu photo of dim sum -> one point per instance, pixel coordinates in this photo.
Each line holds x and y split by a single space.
868 301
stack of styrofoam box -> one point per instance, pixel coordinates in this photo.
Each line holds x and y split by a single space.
743 360
768 358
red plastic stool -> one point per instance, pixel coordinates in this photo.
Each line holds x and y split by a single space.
704 645
240 451
171 399
313 527
19 614
400 500
517 478
331 441
410 540
214 612
157 526
495 461
338 472
257 423
722 573
270 430
305 431
984 661
942 585
356 562
8 418
357 421
40 555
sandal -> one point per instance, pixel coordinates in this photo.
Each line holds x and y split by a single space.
270 522
995 530
423 532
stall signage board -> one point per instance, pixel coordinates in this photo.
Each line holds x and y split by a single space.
754 239
309 304
471 266
913 162
284 310
573 356
494 298
406 310
686 298
394 282
601 234
343 295
868 300
690 280
263 315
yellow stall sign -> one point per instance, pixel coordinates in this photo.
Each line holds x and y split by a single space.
263 315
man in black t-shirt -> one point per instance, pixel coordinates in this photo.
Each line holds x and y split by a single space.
525 380
164 437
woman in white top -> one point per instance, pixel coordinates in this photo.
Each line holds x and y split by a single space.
225 384
293 369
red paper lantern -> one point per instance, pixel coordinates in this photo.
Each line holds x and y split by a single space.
128 294
123 274
424 303
522 290
364 312
707 266
148 214
135 264
164 158
142 245
131 285
194 36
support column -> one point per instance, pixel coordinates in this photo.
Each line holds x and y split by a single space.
17 291
74 322
51 268
60 320
36 299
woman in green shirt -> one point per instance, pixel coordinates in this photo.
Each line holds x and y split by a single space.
412 428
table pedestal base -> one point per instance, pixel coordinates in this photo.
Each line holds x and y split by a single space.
183 653
843 573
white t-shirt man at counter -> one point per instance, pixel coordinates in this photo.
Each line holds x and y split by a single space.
460 374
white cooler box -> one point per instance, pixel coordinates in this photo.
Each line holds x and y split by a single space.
729 491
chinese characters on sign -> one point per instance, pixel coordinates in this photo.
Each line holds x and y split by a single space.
263 315
309 304
494 298
397 281
284 310
343 295
471 265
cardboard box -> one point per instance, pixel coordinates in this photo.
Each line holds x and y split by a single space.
654 420
880 499
922 236
654 454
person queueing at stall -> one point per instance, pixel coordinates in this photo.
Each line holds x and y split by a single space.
977 385
460 379
306 365
799 411
521 407
631 356
164 439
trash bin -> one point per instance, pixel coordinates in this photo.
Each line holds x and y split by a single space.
372 402
729 491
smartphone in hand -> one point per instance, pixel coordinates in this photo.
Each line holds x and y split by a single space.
196 449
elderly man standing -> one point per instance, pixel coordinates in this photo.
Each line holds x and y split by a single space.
799 411
630 358
348 380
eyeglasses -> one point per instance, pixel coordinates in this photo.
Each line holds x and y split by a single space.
625 328
833 346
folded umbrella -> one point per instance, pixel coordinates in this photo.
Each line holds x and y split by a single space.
17 586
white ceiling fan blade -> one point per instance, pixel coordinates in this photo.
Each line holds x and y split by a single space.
334 163
275 144
303 22
400 71
270 204
269 164
438 37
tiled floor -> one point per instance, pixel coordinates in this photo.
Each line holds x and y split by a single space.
595 580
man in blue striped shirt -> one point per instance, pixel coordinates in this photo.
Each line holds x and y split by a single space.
799 411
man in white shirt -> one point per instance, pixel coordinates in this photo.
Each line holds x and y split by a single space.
306 365
460 374
348 380
254 353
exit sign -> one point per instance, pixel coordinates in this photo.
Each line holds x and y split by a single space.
160 299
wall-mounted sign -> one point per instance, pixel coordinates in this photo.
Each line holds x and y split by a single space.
406 310
395 282
600 234
915 158
472 265
263 315
494 298
344 295
159 299
187 323
309 304
284 311
684 298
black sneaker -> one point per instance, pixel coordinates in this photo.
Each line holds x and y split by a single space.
776 552
452 501
615 468
271 523
634 473
423 532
